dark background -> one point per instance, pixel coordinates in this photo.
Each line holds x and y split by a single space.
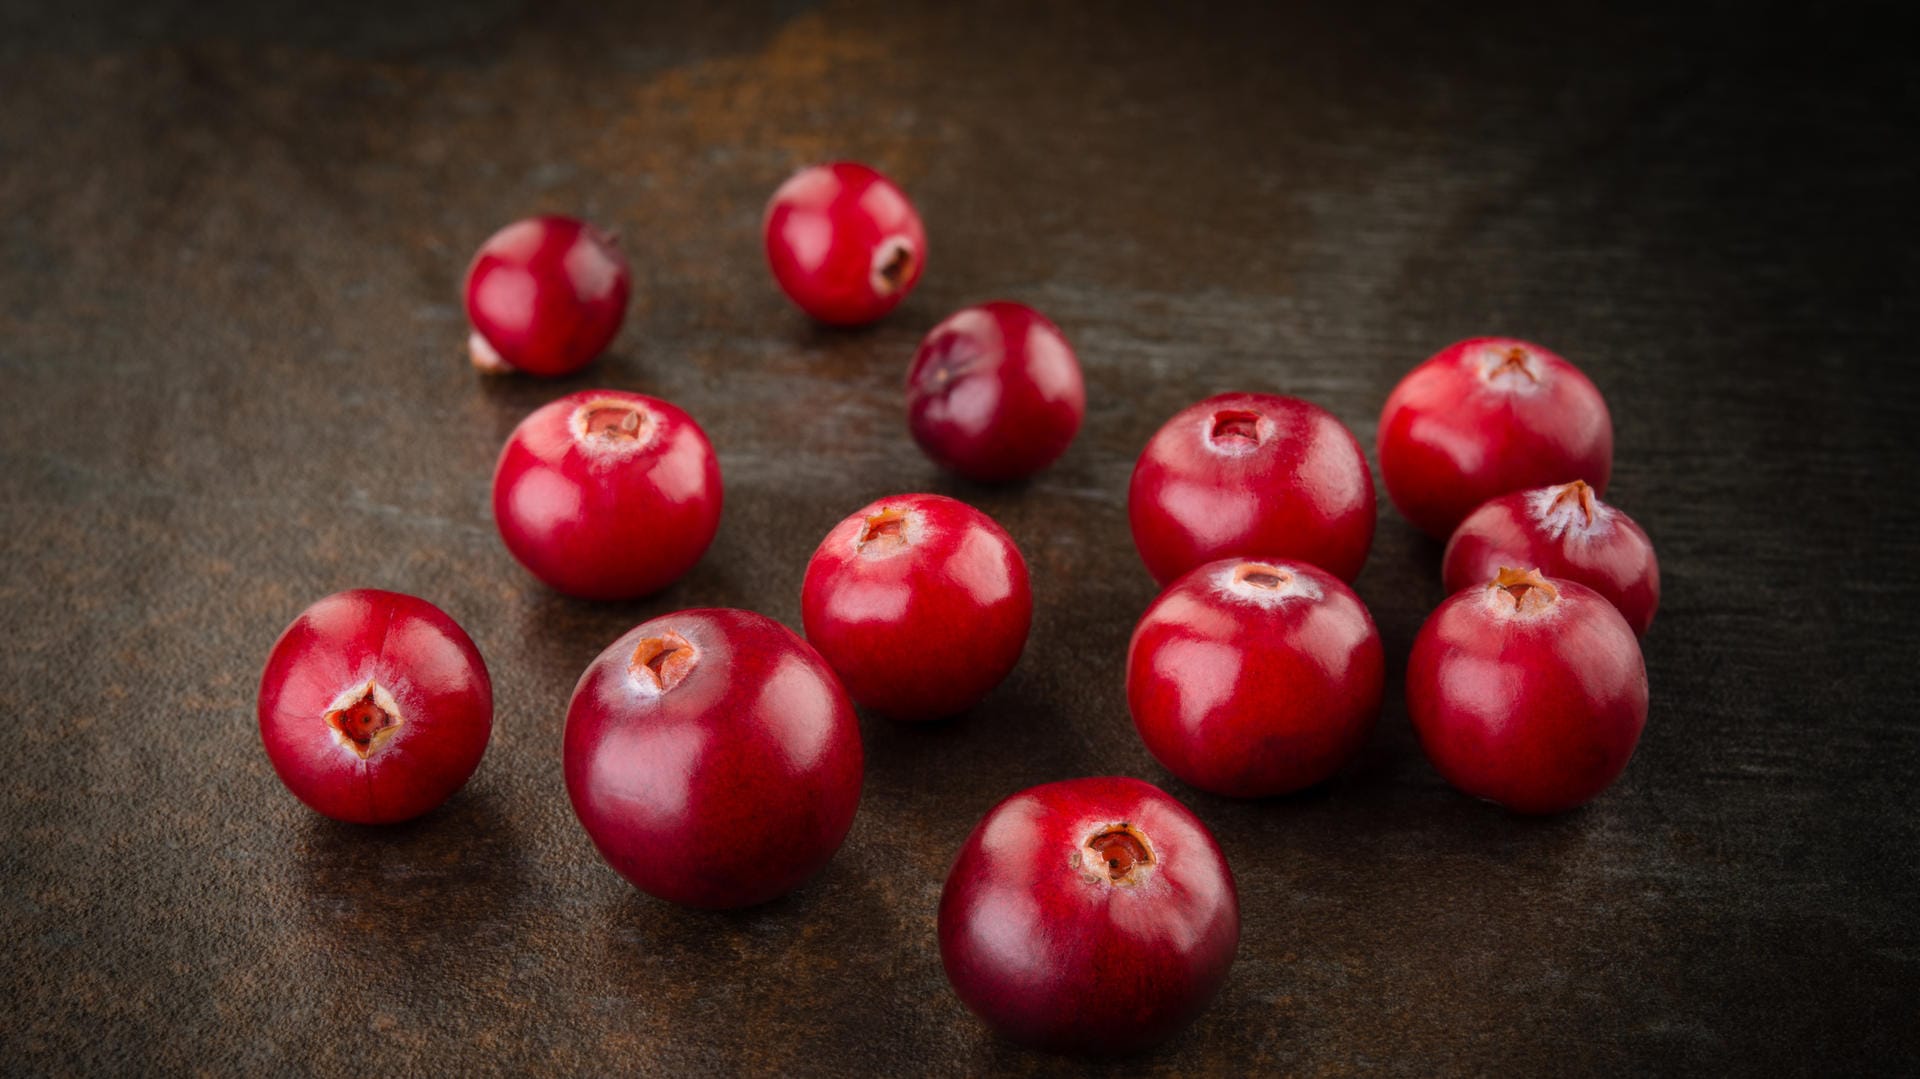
231 243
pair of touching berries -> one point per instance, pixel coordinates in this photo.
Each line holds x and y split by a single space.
1256 672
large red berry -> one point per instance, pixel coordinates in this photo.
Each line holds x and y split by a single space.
1252 475
1252 679
920 602
1569 535
374 706
995 393
1484 418
712 758
844 243
1089 916
1528 692
607 495
545 296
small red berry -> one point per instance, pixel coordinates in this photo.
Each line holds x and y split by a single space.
1089 916
920 602
1484 418
1252 475
1253 679
374 706
1570 535
712 758
844 243
1528 692
545 296
607 495
995 393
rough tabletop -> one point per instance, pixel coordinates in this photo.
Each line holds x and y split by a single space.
231 242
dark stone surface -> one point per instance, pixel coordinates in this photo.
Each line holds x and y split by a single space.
231 239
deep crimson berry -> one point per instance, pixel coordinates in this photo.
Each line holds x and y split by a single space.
1089 916
1484 418
995 393
920 602
607 495
374 706
1569 534
712 758
844 243
545 296
1252 475
1252 679
1528 692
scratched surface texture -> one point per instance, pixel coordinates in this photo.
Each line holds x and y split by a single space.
231 241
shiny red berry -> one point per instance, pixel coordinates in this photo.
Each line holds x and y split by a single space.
1528 692
712 758
374 706
1253 679
1569 535
607 495
545 296
920 602
995 393
1089 916
1484 418
1252 475
844 243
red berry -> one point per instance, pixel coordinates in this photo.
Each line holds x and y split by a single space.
844 243
545 296
712 758
995 393
607 495
374 706
1253 475
920 603
1528 692
1486 417
1569 534
1252 679
1089 916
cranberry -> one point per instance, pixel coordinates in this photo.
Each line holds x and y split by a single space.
1255 475
1252 679
1089 916
844 243
1486 417
995 393
920 603
374 706
712 758
607 495
545 296
1569 534
1528 692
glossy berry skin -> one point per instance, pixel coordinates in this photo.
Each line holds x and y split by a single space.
1569 535
1528 692
921 603
1252 679
844 243
1092 916
607 495
1255 475
545 296
995 393
712 758
374 706
1484 418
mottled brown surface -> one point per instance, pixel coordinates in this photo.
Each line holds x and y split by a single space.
230 353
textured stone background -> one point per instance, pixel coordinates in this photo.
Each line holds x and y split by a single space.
231 240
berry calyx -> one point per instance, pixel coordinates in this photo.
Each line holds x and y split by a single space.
1515 363
663 662
885 531
364 719
1522 591
1236 429
1118 854
1575 497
